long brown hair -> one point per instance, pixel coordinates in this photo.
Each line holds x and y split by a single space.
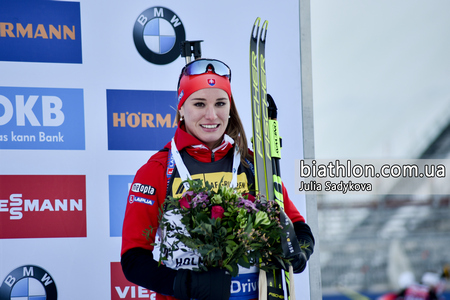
235 130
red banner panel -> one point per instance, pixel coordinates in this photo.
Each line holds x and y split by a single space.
42 206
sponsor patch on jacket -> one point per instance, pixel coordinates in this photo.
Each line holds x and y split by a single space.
143 188
133 198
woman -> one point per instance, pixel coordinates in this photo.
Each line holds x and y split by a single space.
209 129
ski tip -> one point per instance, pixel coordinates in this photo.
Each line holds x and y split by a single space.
264 31
271 102
255 29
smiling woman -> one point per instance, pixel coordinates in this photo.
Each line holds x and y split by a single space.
209 145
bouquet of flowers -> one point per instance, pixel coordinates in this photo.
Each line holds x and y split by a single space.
224 227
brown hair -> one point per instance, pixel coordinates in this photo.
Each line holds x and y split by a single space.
235 130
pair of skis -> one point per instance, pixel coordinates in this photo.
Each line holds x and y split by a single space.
267 154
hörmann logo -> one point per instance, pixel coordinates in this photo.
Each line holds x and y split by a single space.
56 202
157 34
40 31
28 282
41 118
140 120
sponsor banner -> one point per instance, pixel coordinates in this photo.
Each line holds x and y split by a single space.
119 185
140 120
245 286
41 118
40 31
28 282
121 288
42 206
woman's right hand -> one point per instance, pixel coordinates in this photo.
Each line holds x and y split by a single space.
214 284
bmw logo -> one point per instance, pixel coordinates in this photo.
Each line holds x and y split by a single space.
157 34
28 282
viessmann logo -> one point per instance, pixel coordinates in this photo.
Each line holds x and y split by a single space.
41 118
40 31
57 203
140 120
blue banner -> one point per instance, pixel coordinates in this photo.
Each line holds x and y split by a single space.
140 120
119 185
40 31
41 118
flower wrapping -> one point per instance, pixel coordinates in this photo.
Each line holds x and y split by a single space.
224 227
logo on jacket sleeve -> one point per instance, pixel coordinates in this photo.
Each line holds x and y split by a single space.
133 198
143 188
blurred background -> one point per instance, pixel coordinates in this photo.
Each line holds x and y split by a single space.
381 90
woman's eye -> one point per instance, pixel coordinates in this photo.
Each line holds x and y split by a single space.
199 104
220 103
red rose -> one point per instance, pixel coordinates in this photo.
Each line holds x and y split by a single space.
184 202
217 212
249 197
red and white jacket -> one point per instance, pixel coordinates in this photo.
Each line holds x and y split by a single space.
149 190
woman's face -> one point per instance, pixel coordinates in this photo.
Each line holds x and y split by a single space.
205 114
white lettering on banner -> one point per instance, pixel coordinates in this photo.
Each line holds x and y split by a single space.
32 138
3 205
8 110
26 109
16 209
17 205
28 272
142 20
158 13
46 279
120 293
51 106
22 137
142 292
237 287
52 115
175 21
10 280
51 138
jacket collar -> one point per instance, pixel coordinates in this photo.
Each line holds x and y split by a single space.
199 150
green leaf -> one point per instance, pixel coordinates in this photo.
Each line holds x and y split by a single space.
243 261
223 231
229 268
